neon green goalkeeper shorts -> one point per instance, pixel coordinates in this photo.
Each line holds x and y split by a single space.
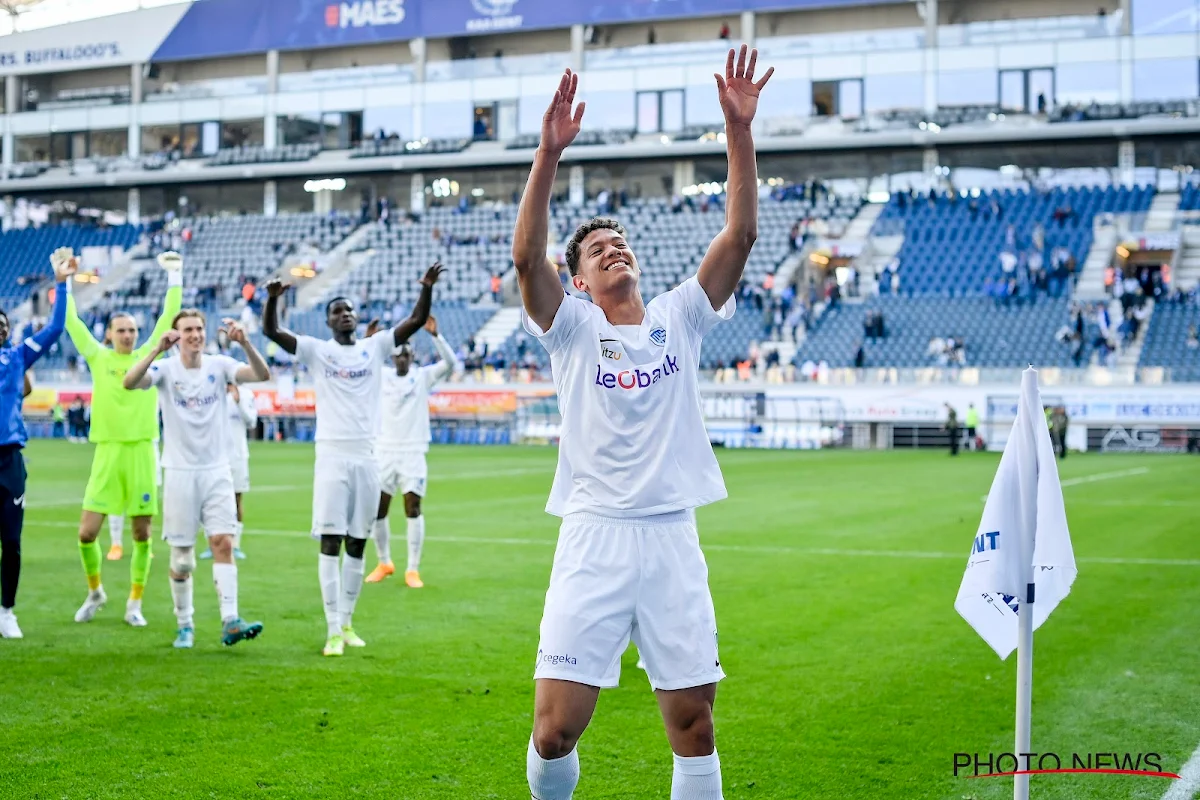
124 480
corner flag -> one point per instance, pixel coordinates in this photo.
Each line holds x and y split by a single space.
1022 549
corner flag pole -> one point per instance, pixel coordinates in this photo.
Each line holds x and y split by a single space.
1025 618
1024 685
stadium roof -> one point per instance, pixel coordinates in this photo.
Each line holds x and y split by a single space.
35 14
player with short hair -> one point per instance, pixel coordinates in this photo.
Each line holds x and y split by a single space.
403 442
346 372
197 482
125 474
634 459
15 385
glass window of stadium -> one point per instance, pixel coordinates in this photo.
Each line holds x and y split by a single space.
32 148
659 112
484 128
240 197
842 98
242 133
1027 91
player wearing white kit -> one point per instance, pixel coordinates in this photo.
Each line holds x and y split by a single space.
197 484
634 460
403 442
240 415
346 372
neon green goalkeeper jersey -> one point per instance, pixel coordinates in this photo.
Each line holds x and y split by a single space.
118 414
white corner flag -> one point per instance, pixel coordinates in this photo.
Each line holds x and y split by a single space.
1022 543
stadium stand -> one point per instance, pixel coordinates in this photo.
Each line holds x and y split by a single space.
917 328
1171 341
226 251
372 148
26 252
952 245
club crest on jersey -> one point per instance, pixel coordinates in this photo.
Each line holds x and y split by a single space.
212 378
659 336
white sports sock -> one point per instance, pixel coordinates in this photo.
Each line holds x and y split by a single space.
383 540
116 530
352 581
552 780
416 537
181 591
225 579
331 586
696 778
237 535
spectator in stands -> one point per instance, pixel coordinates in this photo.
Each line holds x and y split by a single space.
860 357
1193 340
724 32
952 428
496 286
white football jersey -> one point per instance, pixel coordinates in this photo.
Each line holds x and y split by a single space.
347 379
633 441
193 410
404 421
241 416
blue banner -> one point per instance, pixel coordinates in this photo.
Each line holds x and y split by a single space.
216 28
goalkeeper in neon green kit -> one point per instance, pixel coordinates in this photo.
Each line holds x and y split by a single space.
124 479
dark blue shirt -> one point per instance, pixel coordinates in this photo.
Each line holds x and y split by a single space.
15 360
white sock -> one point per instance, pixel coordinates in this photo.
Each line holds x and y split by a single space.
116 530
328 571
237 535
225 579
383 540
416 538
696 778
352 581
182 592
552 780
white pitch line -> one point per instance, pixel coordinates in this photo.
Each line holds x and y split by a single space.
1099 476
734 548
1189 780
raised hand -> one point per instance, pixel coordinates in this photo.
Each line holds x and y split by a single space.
170 261
738 91
431 325
64 262
432 274
559 126
232 390
169 340
234 331
373 327
276 287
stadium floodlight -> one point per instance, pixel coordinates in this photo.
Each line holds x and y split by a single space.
1021 564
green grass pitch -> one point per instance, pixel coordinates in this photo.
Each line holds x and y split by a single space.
833 573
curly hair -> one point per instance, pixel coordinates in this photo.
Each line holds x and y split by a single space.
595 224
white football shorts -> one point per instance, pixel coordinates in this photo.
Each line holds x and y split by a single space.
403 473
616 579
345 496
195 500
240 467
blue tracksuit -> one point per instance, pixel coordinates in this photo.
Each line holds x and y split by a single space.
14 361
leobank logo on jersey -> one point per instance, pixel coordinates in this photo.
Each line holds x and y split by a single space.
347 374
196 402
364 13
636 378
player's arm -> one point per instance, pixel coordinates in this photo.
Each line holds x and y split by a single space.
270 319
137 378
77 329
448 362
257 370
172 264
65 265
723 264
27 389
246 408
541 291
420 312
